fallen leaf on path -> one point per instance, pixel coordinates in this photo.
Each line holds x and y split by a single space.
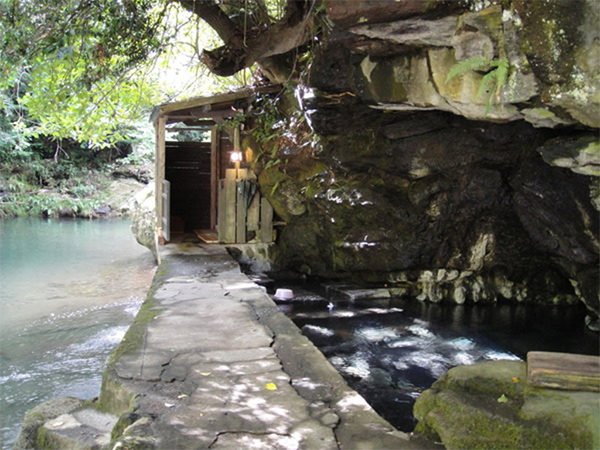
271 387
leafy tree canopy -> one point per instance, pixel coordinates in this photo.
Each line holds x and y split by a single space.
67 64
80 68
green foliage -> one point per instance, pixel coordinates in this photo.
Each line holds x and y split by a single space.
93 115
14 142
109 36
492 82
83 70
268 116
66 68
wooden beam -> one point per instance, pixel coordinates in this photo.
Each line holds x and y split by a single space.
563 371
214 175
193 128
266 221
196 115
213 99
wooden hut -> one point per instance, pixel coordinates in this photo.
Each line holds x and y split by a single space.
203 184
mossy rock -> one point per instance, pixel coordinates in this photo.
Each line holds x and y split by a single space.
36 417
550 30
560 39
489 405
282 192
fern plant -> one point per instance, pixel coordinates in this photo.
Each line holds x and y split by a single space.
494 79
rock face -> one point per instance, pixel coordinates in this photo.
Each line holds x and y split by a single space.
476 188
143 219
490 405
402 53
464 210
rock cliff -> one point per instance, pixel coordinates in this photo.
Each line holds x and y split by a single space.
448 147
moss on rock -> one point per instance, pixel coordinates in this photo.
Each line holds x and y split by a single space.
489 405
115 398
32 432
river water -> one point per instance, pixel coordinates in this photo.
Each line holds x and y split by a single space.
390 350
68 291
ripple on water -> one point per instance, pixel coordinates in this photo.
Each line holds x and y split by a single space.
68 296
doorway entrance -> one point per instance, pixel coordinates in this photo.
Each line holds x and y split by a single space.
193 154
188 171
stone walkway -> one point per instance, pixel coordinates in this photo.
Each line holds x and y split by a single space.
211 362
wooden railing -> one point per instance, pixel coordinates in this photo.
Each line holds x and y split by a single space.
244 215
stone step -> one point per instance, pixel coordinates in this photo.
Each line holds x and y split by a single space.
351 293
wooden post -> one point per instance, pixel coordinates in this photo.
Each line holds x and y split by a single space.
266 221
159 174
215 137
221 212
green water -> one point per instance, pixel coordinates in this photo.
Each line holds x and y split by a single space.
68 291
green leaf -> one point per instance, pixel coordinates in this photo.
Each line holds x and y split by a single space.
502 74
502 399
466 65
487 80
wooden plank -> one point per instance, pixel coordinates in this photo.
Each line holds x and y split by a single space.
253 214
229 206
207 236
221 212
563 371
240 214
213 99
230 174
266 221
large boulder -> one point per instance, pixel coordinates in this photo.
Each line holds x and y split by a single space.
490 405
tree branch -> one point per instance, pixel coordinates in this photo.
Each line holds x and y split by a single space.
210 12
291 32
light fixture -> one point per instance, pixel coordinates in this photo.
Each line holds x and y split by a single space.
236 156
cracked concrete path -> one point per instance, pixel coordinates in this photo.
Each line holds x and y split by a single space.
211 362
